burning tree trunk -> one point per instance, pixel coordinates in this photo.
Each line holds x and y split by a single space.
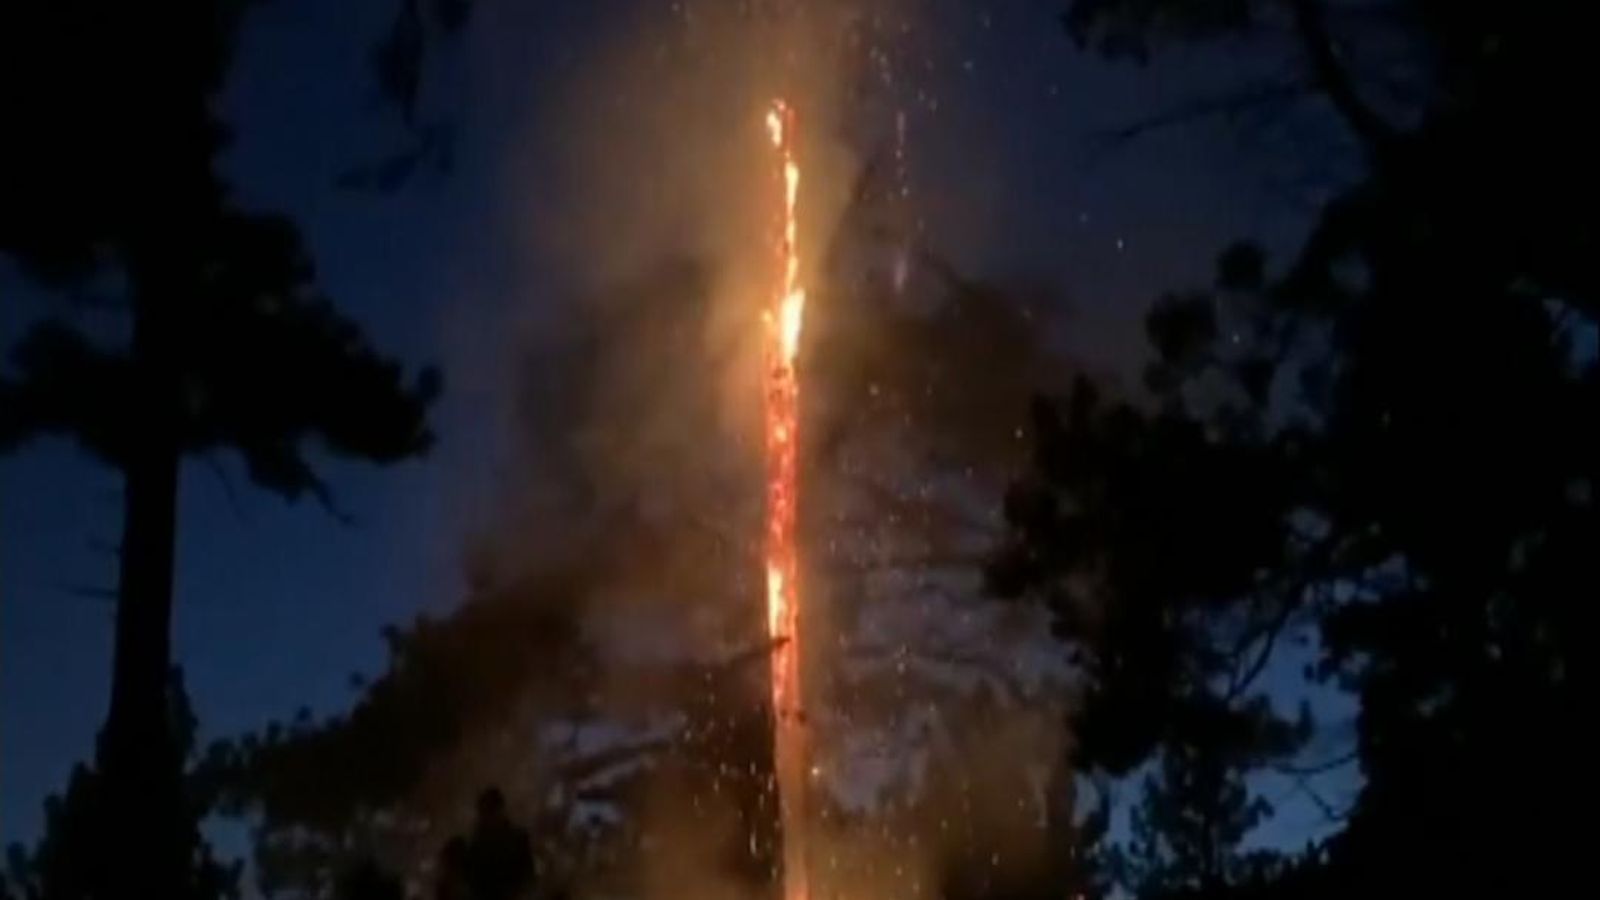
782 321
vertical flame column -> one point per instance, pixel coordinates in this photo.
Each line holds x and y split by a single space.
781 322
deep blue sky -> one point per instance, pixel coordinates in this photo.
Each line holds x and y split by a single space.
278 604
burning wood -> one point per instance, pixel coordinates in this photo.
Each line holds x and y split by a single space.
782 320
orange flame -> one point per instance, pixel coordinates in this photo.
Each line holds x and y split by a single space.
782 320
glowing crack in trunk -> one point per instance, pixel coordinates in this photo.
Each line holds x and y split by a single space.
781 321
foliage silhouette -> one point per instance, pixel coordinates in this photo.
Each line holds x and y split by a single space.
1387 445
320 788
510 662
109 173
78 826
476 695
493 861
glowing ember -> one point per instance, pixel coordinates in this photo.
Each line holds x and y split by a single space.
782 320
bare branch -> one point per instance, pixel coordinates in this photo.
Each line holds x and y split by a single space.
1268 639
593 764
1320 768
1331 77
90 592
1315 568
1229 105
228 490
1328 812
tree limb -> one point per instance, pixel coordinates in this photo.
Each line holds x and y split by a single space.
1269 638
91 592
1329 765
1332 78
228 491
1226 105
1328 812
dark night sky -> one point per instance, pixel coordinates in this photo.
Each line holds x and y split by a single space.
278 604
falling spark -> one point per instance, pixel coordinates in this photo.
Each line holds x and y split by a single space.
783 320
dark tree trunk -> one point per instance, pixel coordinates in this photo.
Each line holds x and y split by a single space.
139 755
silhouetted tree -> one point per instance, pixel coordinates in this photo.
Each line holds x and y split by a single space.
109 174
1389 444
1189 825
388 777
63 866
477 695
906 447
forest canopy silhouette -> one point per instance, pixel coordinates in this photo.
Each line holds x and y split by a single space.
1081 633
